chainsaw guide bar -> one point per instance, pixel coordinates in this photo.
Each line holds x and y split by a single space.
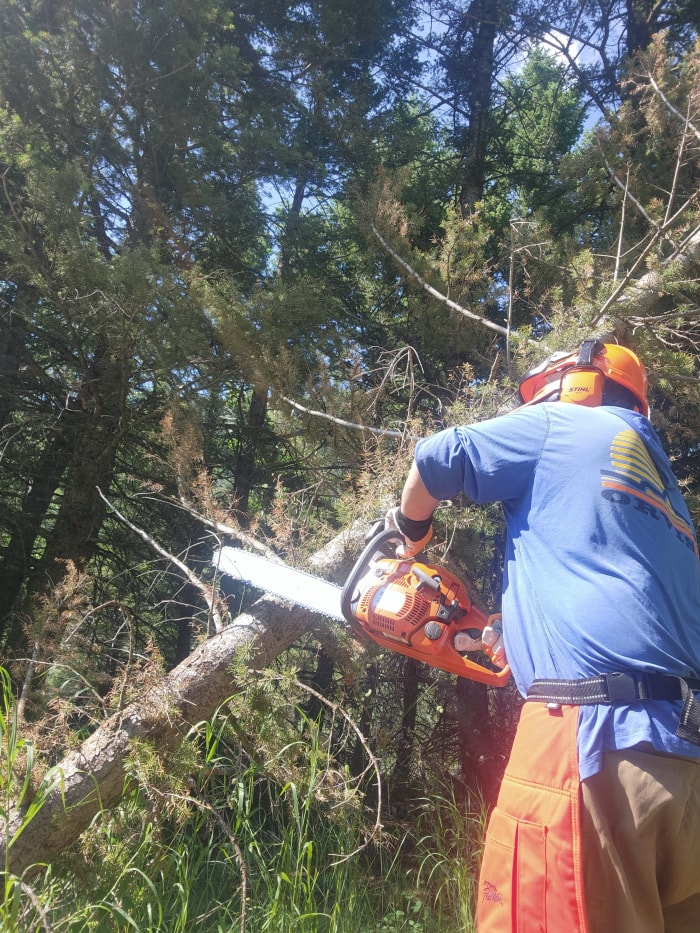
295 586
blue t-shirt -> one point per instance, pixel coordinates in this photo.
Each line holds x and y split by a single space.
601 564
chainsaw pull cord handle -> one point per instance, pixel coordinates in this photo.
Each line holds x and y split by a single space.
433 583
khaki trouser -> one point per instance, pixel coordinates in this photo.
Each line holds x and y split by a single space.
640 823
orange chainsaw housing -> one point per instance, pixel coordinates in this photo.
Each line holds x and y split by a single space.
418 610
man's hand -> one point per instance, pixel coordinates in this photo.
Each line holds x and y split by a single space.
416 534
492 642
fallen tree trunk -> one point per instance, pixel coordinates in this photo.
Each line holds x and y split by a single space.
94 776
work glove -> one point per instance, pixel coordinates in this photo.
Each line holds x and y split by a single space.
492 643
415 534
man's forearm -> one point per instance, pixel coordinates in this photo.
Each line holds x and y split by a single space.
416 502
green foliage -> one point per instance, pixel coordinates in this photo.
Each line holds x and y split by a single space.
23 791
220 840
539 120
195 306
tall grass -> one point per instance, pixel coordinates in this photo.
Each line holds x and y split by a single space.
216 841
450 844
17 793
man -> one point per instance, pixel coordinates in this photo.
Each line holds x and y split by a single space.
597 826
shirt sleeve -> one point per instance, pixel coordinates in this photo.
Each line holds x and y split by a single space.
490 461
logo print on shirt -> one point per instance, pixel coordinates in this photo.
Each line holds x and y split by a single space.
634 478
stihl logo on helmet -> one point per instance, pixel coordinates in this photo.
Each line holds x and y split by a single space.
584 377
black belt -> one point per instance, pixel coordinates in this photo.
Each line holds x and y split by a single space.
626 687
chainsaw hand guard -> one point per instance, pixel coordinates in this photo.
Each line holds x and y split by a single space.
418 610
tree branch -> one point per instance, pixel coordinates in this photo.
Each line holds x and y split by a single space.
206 590
379 432
433 292
674 110
646 290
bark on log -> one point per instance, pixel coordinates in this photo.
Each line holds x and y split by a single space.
94 775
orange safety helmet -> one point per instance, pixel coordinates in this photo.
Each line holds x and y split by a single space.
580 377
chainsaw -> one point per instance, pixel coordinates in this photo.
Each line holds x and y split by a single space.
417 609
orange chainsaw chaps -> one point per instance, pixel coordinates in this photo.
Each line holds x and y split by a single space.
531 878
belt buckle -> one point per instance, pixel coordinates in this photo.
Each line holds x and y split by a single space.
622 687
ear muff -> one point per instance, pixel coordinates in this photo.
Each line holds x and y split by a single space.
582 387
583 383
588 377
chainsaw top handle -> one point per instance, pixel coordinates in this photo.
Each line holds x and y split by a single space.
382 544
